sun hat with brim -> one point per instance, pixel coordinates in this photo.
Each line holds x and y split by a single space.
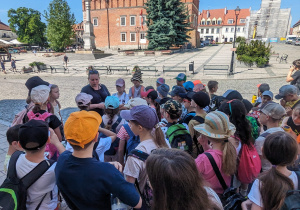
135 102
216 126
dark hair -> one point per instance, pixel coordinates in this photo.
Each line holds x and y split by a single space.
93 72
78 148
176 182
296 63
263 87
83 107
110 113
153 95
237 115
212 84
176 115
280 149
149 87
12 134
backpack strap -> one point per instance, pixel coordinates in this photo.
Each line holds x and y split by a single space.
216 170
132 89
115 125
196 143
139 154
36 173
12 172
198 119
128 130
298 177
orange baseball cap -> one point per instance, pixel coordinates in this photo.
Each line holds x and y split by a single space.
258 85
196 82
298 139
82 127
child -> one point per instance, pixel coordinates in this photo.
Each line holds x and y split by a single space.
34 136
293 122
160 81
136 90
216 129
54 106
101 179
270 116
13 65
260 89
143 122
289 98
150 96
121 94
83 101
191 110
13 140
180 79
266 96
2 65
163 91
188 86
295 78
176 90
212 88
270 190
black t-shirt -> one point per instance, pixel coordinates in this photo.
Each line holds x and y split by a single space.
296 81
54 122
99 96
295 128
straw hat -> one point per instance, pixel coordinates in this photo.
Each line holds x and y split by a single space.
216 126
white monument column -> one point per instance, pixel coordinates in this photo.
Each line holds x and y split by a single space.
88 35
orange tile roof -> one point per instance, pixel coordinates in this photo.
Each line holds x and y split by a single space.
4 27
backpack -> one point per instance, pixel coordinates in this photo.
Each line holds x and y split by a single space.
133 140
215 103
20 117
13 191
147 194
200 150
292 199
180 138
115 145
51 151
255 129
249 164
132 89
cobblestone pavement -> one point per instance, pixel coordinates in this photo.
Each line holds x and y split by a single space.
13 91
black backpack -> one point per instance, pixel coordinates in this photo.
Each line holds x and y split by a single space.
198 146
13 191
292 199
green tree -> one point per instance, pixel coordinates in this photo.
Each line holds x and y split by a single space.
167 22
60 25
27 24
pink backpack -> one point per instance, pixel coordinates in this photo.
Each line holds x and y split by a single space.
51 151
249 164
20 116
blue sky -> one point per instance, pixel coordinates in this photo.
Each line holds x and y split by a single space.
76 6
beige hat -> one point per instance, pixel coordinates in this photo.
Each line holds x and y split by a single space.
135 102
274 110
40 94
216 126
83 99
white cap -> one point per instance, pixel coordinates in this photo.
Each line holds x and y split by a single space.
40 94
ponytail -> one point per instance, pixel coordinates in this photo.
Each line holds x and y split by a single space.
157 108
36 108
274 181
110 121
159 137
229 158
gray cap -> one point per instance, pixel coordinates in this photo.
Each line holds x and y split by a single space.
268 93
274 110
163 90
285 90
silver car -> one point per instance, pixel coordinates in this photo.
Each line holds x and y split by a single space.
296 41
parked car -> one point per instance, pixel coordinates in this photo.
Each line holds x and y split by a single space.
296 41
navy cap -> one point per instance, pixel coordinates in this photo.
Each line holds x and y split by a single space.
286 90
176 90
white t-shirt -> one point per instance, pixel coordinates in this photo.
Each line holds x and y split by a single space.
255 195
259 142
123 99
56 112
45 184
103 146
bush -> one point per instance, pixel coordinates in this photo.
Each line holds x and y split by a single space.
36 64
254 52
241 39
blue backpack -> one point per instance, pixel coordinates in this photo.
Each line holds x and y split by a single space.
133 140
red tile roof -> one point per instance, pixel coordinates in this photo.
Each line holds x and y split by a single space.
4 27
296 24
220 13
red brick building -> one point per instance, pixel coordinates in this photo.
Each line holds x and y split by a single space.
122 23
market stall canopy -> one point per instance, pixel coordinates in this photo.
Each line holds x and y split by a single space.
15 41
3 42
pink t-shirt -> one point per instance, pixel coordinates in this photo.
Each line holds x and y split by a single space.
205 169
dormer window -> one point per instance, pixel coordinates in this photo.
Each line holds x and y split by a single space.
242 20
203 22
230 21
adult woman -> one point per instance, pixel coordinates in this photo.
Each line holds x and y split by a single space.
97 90
176 182
216 129
142 121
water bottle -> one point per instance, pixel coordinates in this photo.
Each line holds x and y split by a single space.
117 204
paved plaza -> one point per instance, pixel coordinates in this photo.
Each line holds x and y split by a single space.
14 92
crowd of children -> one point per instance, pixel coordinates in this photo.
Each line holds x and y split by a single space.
181 148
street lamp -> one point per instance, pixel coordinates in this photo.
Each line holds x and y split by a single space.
137 30
237 12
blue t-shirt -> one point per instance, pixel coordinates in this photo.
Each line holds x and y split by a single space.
86 183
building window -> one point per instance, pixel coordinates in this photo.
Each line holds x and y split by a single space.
132 37
232 30
143 20
243 29
132 20
238 29
231 39
123 21
218 30
208 22
242 20
230 21
95 21
219 22
217 39
207 30
212 30
143 35
123 37
227 29
203 22
213 22
202 31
